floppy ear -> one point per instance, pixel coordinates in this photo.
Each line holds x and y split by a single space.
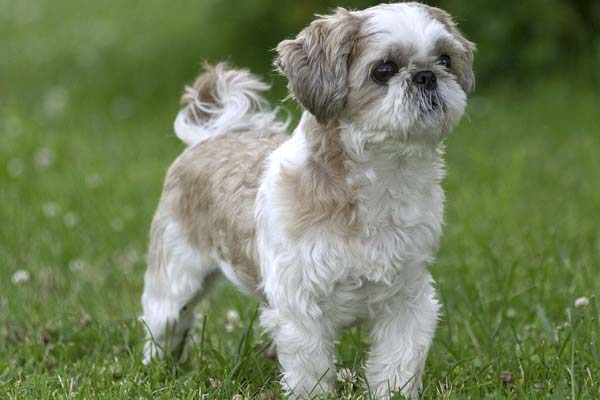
465 75
316 63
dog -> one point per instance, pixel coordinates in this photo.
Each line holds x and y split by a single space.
332 225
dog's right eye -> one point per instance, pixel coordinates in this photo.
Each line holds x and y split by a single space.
383 72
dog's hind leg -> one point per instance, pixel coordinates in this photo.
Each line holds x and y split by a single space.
177 277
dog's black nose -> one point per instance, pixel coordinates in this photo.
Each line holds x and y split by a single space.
425 79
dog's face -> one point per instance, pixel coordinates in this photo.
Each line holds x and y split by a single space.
401 70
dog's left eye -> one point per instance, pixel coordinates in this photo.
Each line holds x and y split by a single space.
444 60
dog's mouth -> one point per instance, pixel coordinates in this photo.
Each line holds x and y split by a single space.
430 101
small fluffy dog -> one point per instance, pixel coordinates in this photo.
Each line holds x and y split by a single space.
330 226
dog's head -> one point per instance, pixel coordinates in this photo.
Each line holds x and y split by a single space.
399 69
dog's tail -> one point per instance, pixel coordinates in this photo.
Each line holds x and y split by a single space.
222 100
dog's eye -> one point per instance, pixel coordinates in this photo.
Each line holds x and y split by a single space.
383 72
444 60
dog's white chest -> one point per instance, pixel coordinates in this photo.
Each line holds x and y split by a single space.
401 213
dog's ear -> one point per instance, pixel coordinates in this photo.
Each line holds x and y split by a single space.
465 75
316 63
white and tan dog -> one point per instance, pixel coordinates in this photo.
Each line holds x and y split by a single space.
333 225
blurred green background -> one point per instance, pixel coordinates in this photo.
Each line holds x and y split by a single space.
146 49
88 93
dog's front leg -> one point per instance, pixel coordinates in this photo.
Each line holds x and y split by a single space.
305 348
401 335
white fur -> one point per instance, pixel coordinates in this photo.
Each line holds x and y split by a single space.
169 294
405 24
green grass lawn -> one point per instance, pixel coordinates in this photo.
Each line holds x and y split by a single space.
85 139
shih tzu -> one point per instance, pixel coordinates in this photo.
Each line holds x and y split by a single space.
333 225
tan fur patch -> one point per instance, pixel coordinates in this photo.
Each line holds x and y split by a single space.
316 63
211 191
318 194
202 89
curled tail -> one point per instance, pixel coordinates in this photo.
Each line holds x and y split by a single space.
222 100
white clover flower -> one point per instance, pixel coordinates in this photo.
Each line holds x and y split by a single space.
233 316
71 219
86 320
51 209
44 157
93 181
76 265
582 302
55 101
346 375
20 277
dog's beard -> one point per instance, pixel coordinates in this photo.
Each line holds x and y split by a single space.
429 101
429 112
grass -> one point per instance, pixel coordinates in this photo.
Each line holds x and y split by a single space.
85 138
